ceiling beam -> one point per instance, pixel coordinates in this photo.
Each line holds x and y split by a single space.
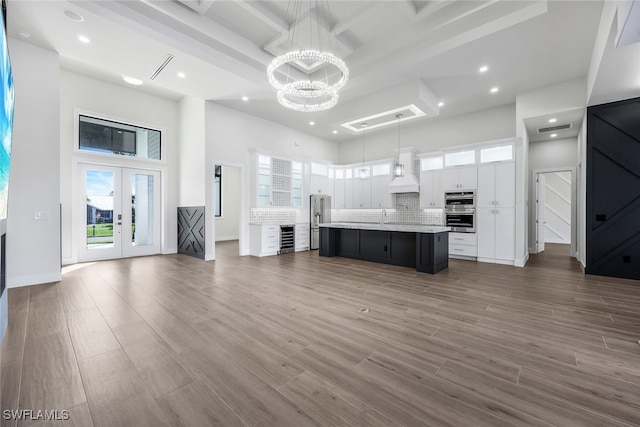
258 10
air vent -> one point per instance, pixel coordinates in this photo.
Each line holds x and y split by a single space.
161 67
555 128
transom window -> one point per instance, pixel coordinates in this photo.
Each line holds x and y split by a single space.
106 136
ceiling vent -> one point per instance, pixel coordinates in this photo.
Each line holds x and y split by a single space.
161 67
555 128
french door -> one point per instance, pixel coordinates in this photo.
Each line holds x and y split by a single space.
120 212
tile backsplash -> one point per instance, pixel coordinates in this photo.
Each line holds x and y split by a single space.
407 210
273 216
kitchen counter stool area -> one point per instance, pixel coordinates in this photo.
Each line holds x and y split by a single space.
422 247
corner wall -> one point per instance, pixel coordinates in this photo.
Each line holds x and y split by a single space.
230 135
124 104
35 168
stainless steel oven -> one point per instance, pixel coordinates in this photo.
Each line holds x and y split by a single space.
460 211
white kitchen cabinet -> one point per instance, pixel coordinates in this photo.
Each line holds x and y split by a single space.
431 191
496 234
460 178
264 239
362 193
496 185
321 184
302 236
348 193
463 245
380 196
337 201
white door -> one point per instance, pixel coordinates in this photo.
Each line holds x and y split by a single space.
540 185
120 212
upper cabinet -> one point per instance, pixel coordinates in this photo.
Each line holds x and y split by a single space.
279 182
380 179
461 172
320 182
431 187
460 178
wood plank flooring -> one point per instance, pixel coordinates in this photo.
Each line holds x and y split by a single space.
281 341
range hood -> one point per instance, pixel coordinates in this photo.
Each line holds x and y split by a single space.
409 182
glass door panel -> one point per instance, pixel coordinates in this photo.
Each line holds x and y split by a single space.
142 212
100 232
120 212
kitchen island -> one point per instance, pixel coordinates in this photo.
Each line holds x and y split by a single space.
423 247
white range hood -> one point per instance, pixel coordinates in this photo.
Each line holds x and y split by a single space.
409 182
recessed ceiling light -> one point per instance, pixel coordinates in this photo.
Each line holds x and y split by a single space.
494 89
553 120
23 34
335 132
364 125
440 104
131 80
312 123
84 39
484 69
245 98
73 16
553 135
182 75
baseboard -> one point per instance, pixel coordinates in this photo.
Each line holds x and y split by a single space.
169 251
522 261
561 242
226 238
18 282
69 261
466 258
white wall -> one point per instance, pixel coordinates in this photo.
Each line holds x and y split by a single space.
553 154
33 247
125 104
227 226
433 134
191 152
230 135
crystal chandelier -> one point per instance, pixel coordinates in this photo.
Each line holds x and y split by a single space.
324 73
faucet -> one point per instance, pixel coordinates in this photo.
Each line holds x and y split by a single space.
383 214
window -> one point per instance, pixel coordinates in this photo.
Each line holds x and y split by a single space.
218 191
460 158
496 154
431 163
339 173
319 169
106 136
381 169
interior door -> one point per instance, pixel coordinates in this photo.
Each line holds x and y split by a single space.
540 186
120 212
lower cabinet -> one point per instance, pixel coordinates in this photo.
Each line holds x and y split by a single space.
427 252
463 245
302 236
264 239
496 235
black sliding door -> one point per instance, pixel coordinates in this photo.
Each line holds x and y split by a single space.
613 189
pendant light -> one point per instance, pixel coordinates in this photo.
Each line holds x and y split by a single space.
308 77
398 168
363 172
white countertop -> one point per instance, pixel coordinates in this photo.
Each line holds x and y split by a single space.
408 228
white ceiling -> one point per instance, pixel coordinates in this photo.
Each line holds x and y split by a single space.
224 48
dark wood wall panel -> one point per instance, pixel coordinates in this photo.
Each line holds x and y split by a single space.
191 231
613 189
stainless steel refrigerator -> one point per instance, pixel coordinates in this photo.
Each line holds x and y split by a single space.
320 212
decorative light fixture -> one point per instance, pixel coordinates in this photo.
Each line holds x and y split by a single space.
398 168
308 94
363 172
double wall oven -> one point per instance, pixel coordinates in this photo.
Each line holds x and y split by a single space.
460 211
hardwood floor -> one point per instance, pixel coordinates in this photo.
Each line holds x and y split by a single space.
281 341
